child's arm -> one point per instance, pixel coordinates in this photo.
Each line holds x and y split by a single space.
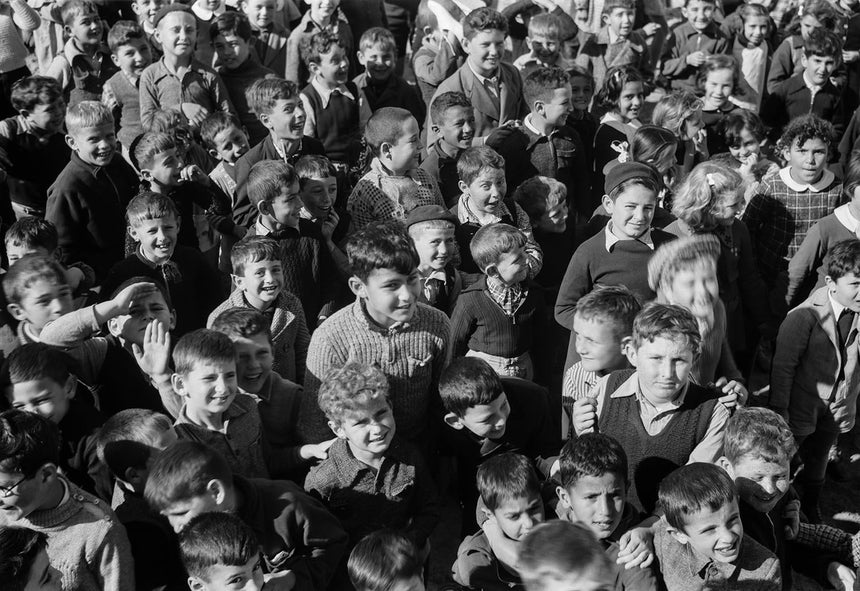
781 66
791 347
464 322
24 17
113 559
360 204
310 117
149 101
323 354
804 263
576 283
676 62
154 359
327 229
433 67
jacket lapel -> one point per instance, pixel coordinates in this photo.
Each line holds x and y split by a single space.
479 95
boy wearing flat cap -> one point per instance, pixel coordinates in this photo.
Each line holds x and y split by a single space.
619 254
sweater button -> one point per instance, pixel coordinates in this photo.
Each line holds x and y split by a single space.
79 497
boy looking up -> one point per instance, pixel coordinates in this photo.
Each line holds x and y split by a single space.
322 16
700 541
690 43
177 79
87 201
131 53
452 119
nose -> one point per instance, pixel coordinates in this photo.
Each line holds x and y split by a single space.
404 294
603 508
528 522
468 127
221 385
268 277
768 485
57 305
177 523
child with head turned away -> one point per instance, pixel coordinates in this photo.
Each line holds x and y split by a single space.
700 541
25 562
561 555
432 229
386 560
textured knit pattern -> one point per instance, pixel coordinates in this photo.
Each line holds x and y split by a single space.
683 41
410 355
13 52
124 97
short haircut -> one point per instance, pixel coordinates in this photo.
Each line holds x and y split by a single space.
37 361
253 249
715 62
759 433
544 24
468 382
347 389
493 241
611 5
483 19
668 321
28 270
687 2
650 182
540 84
822 43
610 304
692 488
32 91
381 245
201 346
182 472
146 147
385 126
268 178
19 548
843 258
264 94
28 441
475 159
591 454
377 36
239 323
504 477
560 550
168 121
616 79
32 232
751 9
738 120
313 167
213 539
538 195
148 205
123 33
382 559
312 48
127 439
804 128
701 198
445 101
230 23
674 109
85 115
216 123
72 9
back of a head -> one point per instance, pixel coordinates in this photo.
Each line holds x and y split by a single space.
253 249
27 442
382 559
672 110
540 84
823 43
468 382
32 232
202 346
559 552
843 259
19 548
129 438
29 269
268 178
505 477
381 245
385 126
538 195
693 488
759 433
32 91
476 159
493 241
591 454
216 539
37 361
483 19
610 304
701 198
242 323
667 321
350 387
651 144
183 471
86 115
263 94
230 23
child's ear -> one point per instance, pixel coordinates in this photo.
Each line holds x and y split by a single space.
491 270
146 174
67 30
264 208
71 386
313 68
217 490
385 150
133 477
357 287
464 188
70 141
238 281
113 326
608 204
337 430
680 536
630 352
213 153
453 421
563 497
114 59
264 119
529 42
47 472
538 107
626 343
726 465
172 323
178 384
133 234
361 59
17 312
435 128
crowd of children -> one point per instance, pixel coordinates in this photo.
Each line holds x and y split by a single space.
290 282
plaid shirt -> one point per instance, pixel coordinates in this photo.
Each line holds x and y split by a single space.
509 298
782 213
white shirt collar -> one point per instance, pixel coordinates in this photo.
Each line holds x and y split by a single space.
484 79
824 182
813 88
528 123
837 307
612 239
843 214
610 116
325 93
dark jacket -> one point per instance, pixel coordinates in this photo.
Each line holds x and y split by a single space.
792 98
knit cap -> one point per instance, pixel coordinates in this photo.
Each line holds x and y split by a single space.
681 253
624 171
426 213
167 9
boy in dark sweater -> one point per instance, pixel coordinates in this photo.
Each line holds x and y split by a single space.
130 51
452 119
87 201
689 44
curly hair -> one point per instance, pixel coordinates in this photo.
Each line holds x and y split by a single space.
674 109
613 85
701 198
349 388
804 128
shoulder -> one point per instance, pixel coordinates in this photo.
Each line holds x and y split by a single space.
430 316
9 127
755 558
661 236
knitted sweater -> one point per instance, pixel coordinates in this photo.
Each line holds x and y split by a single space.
13 52
124 94
411 355
86 543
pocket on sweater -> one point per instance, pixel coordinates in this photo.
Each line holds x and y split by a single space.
418 368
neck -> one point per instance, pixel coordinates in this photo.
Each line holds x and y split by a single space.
448 149
87 48
425 270
320 19
365 457
620 236
854 209
257 303
541 124
481 72
204 419
151 257
325 83
289 146
378 318
156 187
174 62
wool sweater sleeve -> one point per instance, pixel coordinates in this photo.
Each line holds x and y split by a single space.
463 324
322 356
804 262
791 346
576 283
114 561
25 18
149 102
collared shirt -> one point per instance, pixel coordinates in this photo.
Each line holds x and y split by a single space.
364 111
508 297
813 87
837 307
434 282
612 239
821 184
490 83
843 214
281 149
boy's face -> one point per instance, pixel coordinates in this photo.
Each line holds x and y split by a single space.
22 494
807 161
846 290
323 9
143 310
818 68
719 85
177 33
287 119
45 397
133 57
435 246
261 282
748 145
222 577
16 251
94 145
487 421
556 110
285 209
486 191
260 12
485 50
543 47
368 430
403 155
694 288
458 127
390 296
147 9
596 501
808 24
699 13
333 68
663 366
630 100
761 483
378 61
632 211
512 267
597 344
209 388
516 517
230 144
716 535
620 21
755 29
554 219
43 302
253 361
43 576
165 169
231 49
157 237
86 29
581 92
319 195
47 117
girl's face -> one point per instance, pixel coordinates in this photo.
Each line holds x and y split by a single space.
731 204
694 288
719 85
755 29
808 24
692 125
630 101
747 146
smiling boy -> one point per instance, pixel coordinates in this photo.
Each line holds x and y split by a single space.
452 119
691 43
131 53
